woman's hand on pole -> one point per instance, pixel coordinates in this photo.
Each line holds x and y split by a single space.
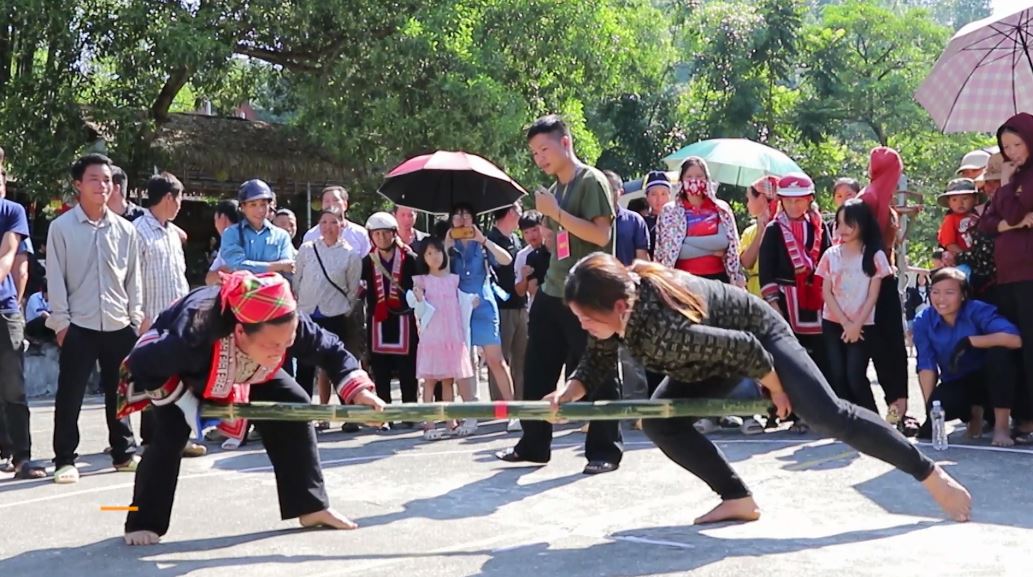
779 397
572 390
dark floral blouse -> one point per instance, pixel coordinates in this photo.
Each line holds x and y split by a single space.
728 343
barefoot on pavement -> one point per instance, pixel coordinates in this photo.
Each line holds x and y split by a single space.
142 538
744 509
327 518
952 497
1002 438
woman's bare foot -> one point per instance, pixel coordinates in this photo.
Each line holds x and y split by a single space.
949 494
974 429
327 518
142 538
744 509
975 424
1002 437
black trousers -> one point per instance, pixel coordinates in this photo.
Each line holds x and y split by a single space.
37 329
13 403
848 365
307 373
555 339
812 399
291 446
1013 301
386 366
993 386
81 350
886 346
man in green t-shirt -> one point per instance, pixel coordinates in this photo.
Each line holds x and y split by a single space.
579 222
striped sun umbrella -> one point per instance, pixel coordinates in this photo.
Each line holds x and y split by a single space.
984 76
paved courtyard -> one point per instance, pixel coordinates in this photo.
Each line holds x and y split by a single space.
449 508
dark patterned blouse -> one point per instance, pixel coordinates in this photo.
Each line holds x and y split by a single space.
728 343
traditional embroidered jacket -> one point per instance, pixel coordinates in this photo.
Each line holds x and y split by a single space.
390 323
787 276
191 345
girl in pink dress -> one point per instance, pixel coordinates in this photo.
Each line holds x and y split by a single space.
442 355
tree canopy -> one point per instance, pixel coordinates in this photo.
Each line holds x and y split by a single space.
376 82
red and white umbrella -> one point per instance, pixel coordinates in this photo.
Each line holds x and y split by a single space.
984 76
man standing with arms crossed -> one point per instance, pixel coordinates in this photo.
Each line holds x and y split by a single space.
579 219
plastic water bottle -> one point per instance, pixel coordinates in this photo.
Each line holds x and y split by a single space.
939 427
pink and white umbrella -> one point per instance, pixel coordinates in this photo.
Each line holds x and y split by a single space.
436 182
984 76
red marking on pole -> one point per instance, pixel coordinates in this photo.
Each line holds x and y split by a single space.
501 411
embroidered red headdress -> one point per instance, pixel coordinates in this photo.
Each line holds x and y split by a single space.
256 298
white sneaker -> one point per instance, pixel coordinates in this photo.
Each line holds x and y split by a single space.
514 426
466 429
66 475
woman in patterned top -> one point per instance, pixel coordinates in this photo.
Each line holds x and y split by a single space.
706 336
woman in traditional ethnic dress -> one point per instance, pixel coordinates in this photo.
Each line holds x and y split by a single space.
706 336
222 343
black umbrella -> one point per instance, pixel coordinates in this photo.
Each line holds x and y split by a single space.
437 182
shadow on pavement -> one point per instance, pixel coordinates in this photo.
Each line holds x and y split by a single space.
1000 490
636 552
662 551
477 499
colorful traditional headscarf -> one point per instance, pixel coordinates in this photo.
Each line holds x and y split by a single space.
768 186
256 298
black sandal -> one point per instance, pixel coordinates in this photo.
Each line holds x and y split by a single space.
27 470
1022 438
599 467
908 426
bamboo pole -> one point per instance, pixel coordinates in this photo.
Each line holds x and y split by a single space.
531 410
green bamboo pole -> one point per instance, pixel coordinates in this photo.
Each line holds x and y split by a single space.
532 410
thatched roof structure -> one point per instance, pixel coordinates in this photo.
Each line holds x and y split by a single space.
243 149
213 154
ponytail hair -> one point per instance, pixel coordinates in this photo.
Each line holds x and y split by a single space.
599 280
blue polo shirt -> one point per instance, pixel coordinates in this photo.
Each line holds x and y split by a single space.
935 339
244 248
12 219
632 235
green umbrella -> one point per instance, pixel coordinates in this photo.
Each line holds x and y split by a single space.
736 161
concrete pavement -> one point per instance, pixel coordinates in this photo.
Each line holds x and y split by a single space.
449 508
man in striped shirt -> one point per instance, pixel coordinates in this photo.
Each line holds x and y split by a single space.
162 265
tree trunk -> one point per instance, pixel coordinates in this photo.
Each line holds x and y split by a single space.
175 83
6 28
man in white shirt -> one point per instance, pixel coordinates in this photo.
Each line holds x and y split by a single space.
93 281
353 234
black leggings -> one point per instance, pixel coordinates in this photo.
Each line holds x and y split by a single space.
812 399
1013 302
886 346
848 365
